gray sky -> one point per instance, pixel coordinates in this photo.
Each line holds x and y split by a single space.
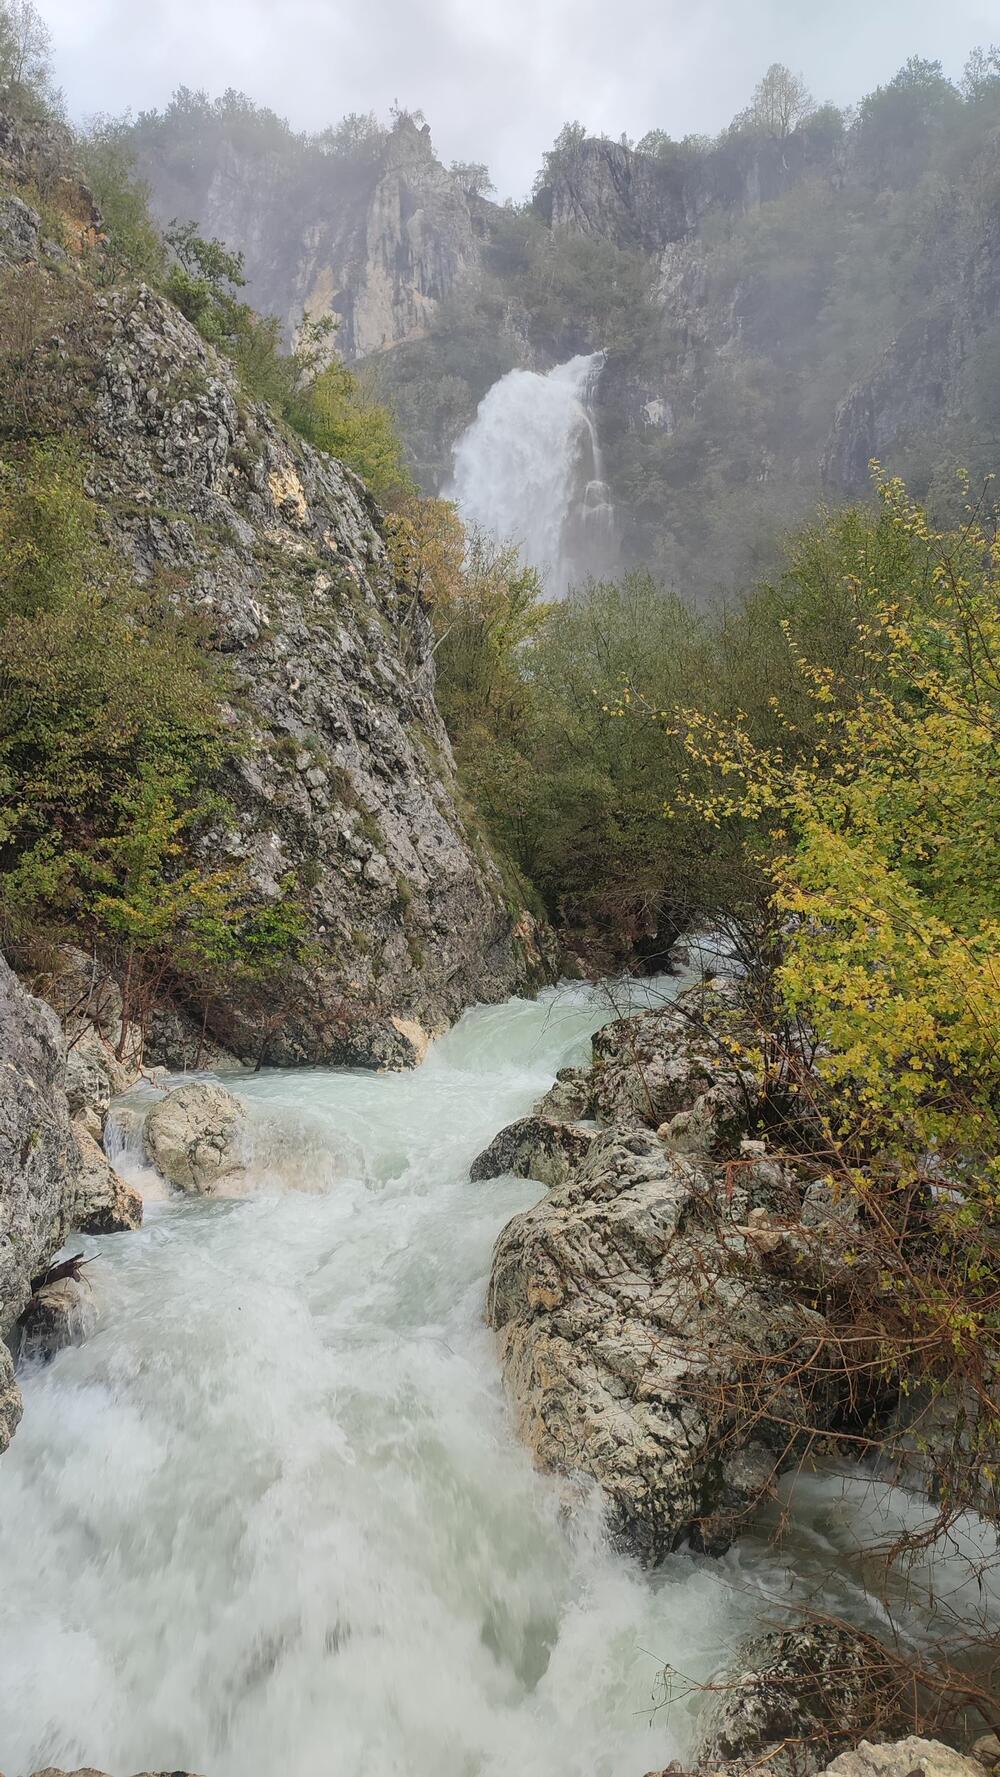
498 78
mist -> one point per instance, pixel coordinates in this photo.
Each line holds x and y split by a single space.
496 82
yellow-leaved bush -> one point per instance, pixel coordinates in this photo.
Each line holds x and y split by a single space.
880 824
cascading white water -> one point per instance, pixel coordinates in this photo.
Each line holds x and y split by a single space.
272 1517
529 470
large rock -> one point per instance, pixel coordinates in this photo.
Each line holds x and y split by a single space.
912 1757
196 1137
795 1697
346 789
103 1202
685 1069
37 1160
534 1147
646 1345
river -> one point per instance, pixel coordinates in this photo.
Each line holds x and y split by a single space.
272 1517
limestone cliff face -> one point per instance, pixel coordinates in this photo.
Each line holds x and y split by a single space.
642 200
347 786
344 792
379 244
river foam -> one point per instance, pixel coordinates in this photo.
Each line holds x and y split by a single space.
272 1518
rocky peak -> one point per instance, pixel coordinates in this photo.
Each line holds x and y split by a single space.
378 243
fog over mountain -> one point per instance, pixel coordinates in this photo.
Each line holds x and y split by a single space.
497 82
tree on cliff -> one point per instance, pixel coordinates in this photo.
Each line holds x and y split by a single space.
26 82
778 103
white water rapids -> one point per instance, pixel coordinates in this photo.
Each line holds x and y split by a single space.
528 470
272 1517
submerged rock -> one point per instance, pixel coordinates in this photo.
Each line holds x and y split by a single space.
195 1136
59 1314
534 1147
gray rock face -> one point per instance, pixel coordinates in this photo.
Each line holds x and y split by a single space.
795 1698
534 1147
37 1152
347 788
645 1346
195 1137
379 246
37 1161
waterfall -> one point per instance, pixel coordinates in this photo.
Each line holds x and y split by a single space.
529 470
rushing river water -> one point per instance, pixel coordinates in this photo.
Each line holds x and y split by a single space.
271 1517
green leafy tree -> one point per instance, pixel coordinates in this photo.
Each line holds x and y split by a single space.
343 415
111 738
133 247
26 82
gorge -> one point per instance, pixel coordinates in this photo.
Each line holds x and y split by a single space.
499 1081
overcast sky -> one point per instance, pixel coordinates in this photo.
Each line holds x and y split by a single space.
498 78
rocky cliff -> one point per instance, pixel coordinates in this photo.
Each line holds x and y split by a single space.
775 311
37 1162
344 792
379 242
347 783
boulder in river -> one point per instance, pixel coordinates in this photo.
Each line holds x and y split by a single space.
59 1314
912 1757
796 1697
534 1147
104 1202
195 1136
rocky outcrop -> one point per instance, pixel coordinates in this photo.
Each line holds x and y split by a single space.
684 1068
37 1161
795 1698
569 1098
646 1346
534 1147
53 1177
59 1314
912 1757
102 1201
196 1137
88 1771
379 242
346 792
659 1313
